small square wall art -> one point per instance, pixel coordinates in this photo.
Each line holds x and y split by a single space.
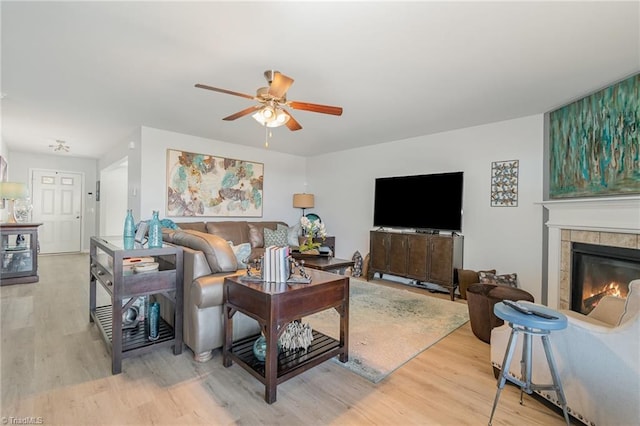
504 183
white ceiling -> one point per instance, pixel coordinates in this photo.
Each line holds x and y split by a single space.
91 73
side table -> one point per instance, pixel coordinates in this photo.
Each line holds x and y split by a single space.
106 268
274 305
530 325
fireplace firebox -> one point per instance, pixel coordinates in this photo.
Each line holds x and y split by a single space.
598 271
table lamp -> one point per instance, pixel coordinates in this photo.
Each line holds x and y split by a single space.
303 201
12 191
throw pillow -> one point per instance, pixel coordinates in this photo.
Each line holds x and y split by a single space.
632 304
293 232
506 279
275 238
242 252
168 223
357 264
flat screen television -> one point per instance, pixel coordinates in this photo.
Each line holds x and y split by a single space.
423 202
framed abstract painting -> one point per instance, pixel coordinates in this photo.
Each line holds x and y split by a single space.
205 185
594 147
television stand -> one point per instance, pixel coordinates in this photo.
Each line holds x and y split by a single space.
431 258
428 231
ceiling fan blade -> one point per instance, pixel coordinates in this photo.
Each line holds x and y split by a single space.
280 85
228 92
324 109
243 113
292 124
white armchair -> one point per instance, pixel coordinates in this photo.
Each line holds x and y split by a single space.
598 360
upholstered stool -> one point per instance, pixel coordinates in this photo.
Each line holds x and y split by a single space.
480 301
530 325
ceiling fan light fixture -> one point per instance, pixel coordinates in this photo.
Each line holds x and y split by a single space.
271 117
268 113
281 116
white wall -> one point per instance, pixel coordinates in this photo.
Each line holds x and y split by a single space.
21 163
4 153
506 238
129 148
113 198
283 174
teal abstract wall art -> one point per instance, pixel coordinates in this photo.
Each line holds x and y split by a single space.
205 185
594 147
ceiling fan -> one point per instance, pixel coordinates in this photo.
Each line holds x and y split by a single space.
271 100
61 146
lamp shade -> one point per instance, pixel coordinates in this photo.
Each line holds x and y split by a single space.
13 190
303 201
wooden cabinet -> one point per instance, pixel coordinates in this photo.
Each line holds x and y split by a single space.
19 253
417 251
429 258
396 259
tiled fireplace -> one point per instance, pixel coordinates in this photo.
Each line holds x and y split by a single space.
613 222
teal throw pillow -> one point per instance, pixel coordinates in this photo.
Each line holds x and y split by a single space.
275 238
242 252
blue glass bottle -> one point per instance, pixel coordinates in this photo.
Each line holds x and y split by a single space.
129 233
155 231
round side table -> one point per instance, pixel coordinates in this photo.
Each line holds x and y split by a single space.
530 325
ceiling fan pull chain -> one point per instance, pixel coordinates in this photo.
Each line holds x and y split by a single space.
266 136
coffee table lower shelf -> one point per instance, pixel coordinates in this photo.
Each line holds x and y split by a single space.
290 363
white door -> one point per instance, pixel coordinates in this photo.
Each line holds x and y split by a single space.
57 205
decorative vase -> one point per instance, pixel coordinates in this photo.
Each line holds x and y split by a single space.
260 348
155 232
129 233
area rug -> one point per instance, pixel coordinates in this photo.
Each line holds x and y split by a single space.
389 326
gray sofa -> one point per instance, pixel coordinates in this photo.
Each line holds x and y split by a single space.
208 259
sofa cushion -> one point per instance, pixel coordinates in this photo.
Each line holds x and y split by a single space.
506 279
256 232
194 226
216 250
275 238
238 232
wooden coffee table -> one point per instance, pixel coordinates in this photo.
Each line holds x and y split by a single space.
325 263
274 305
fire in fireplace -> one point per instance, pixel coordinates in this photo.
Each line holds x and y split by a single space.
598 271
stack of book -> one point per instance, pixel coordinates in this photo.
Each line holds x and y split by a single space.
275 264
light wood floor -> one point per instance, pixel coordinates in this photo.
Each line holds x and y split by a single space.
55 367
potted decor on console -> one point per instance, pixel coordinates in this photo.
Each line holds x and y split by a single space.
310 230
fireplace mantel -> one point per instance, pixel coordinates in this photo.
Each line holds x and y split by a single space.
614 214
608 221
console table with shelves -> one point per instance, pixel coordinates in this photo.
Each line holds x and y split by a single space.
19 253
431 258
124 288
